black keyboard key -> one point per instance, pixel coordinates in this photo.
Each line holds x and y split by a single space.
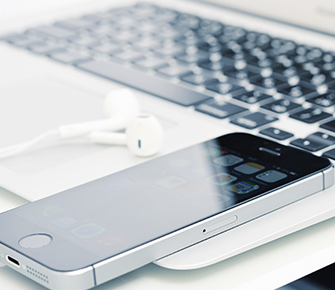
329 126
260 63
164 14
327 63
253 120
276 133
190 39
250 58
310 115
280 47
317 79
251 97
215 66
307 144
187 20
223 88
207 27
198 79
195 57
231 53
210 47
267 83
231 33
314 54
155 85
240 75
325 100
296 91
281 106
315 141
320 137
287 72
330 154
219 110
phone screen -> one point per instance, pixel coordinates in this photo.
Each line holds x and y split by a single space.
137 205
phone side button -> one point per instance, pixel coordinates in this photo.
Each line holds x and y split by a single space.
220 224
328 177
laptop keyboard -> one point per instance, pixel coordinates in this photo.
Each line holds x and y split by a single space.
220 70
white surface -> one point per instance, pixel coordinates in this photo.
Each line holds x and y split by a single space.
315 14
265 267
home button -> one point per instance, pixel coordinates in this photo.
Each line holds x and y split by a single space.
35 241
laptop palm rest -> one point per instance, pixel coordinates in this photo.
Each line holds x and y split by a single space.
36 106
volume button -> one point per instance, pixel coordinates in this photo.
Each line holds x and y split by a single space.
220 224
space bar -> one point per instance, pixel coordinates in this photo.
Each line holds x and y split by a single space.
159 87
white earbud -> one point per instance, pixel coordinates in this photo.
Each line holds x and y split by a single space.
120 107
144 136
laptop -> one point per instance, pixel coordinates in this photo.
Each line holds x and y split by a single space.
203 68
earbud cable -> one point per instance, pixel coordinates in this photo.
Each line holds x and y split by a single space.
18 148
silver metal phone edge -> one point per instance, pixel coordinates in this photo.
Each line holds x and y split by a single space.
111 268
183 238
76 280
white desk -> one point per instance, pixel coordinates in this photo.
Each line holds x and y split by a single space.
266 267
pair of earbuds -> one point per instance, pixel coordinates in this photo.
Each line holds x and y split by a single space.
143 136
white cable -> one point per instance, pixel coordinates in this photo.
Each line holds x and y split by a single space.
18 148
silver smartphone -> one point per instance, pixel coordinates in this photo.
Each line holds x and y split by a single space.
92 233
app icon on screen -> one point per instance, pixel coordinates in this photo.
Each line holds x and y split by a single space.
228 160
64 222
271 176
213 151
49 211
88 230
221 178
249 168
243 187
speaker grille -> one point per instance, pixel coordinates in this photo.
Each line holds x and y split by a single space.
37 274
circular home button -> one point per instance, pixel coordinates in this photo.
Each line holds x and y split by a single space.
35 241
